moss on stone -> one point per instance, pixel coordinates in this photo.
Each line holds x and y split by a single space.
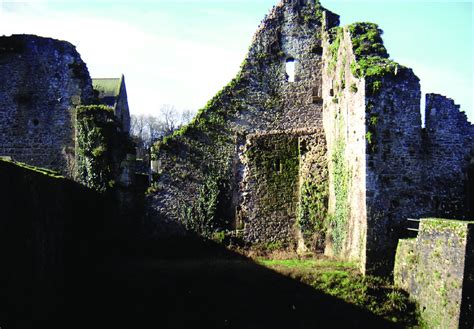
335 37
371 55
338 221
44 171
314 193
367 40
456 227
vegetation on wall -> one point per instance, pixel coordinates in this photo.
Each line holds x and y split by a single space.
44 171
335 36
100 147
202 216
313 200
314 14
312 211
372 60
275 162
338 220
208 142
371 134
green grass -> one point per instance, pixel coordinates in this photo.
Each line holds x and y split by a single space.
343 280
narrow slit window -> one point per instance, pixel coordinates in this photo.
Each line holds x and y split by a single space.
290 69
278 166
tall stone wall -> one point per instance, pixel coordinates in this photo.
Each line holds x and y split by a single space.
42 80
373 127
259 99
378 167
345 129
448 147
393 165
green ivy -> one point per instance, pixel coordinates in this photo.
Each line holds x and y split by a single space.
371 55
353 88
367 40
335 34
338 221
312 210
100 146
202 216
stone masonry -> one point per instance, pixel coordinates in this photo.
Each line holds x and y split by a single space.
42 80
436 269
374 167
260 100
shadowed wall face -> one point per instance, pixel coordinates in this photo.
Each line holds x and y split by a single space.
49 235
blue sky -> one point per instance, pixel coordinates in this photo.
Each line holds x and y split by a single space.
181 52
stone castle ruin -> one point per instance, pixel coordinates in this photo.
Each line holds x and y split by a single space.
332 157
335 160
43 87
42 81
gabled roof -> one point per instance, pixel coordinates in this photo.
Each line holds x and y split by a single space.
107 87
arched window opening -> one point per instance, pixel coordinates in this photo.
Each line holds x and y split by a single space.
290 69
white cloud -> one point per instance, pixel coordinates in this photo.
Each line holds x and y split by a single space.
159 68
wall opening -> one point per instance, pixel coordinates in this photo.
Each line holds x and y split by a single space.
316 95
290 69
278 166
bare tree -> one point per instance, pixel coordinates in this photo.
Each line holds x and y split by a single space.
169 117
137 125
147 129
186 116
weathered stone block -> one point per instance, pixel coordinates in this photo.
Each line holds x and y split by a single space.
436 269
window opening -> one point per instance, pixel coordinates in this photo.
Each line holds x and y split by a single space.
290 69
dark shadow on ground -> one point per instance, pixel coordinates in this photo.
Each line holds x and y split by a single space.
63 266
197 284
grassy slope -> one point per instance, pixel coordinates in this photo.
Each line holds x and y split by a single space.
198 284
343 280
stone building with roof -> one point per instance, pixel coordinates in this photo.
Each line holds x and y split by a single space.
112 92
44 82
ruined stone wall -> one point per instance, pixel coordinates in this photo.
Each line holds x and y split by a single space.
393 165
42 80
355 186
259 99
345 128
373 127
436 269
271 187
281 199
448 147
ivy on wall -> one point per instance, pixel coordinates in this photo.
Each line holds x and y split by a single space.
203 216
313 202
372 62
100 147
341 174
